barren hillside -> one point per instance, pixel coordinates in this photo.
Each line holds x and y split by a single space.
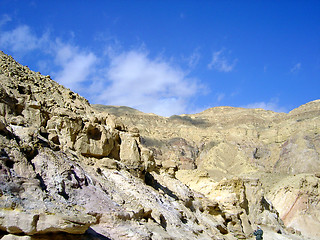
69 170
224 143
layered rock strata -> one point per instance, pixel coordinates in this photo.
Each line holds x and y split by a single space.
68 171
221 144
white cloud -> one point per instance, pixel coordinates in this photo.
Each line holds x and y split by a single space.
150 85
270 105
220 97
129 78
295 68
75 65
21 40
72 65
194 59
4 19
220 62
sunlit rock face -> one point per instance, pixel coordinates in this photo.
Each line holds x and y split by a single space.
69 170
221 144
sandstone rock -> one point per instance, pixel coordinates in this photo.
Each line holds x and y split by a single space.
61 223
230 142
297 200
17 222
147 159
13 221
108 163
3 123
65 167
15 237
299 155
130 152
96 141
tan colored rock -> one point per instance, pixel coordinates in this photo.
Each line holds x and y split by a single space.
114 123
297 200
130 152
147 159
15 237
108 163
94 140
61 223
169 164
299 154
230 142
16 222
3 123
70 167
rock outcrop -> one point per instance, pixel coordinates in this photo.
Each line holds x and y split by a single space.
256 147
71 171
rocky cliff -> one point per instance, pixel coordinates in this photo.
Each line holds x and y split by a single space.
69 170
215 151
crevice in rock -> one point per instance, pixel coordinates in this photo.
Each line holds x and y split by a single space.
147 215
42 184
91 234
150 181
99 171
22 90
245 203
30 153
35 221
222 230
189 204
18 108
64 194
163 221
213 210
44 134
265 204
79 180
55 140
9 163
2 233
4 157
184 220
94 133
115 152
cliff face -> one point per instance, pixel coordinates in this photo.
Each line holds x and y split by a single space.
219 148
69 170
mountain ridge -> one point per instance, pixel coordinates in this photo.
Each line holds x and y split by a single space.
71 171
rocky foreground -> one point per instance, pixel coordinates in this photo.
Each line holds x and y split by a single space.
69 170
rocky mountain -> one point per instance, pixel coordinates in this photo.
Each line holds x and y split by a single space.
214 151
70 170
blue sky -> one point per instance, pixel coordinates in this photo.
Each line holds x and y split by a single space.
171 57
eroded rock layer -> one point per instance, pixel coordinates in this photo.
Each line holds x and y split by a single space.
70 171
208 151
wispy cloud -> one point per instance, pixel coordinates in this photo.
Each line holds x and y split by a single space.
193 59
221 63
296 68
272 105
4 19
220 97
75 65
265 68
129 78
21 40
150 85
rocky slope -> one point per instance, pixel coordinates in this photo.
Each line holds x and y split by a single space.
71 171
215 151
